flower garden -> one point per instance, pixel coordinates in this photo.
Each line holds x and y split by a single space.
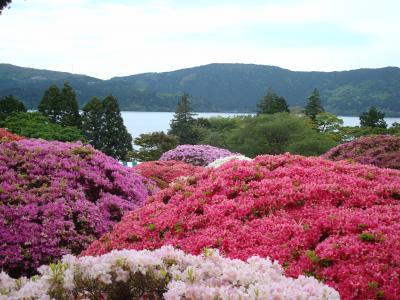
201 223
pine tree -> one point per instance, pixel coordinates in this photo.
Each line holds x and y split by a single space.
104 128
314 105
61 107
373 118
272 104
183 125
9 105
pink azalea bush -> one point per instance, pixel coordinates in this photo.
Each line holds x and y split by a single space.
380 150
164 172
165 273
56 198
198 155
335 221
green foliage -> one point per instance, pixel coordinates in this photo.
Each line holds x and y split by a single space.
61 107
183 124
104 128
35 125
269 134
314 105
8 105
152 145
327 122
272 104
373 118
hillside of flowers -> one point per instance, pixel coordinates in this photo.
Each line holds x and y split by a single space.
164 172
6 136
379 150
56 198
335 221
165 273
197 155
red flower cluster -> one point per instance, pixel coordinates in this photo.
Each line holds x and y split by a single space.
336 221
380 150
6 136
164 172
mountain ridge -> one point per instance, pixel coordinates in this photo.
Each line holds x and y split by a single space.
219 87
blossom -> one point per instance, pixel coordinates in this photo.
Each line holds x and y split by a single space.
379 150
220 161
335 221
6 136
56 198
167 273
198 155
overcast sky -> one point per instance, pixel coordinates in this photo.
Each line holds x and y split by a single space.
105 38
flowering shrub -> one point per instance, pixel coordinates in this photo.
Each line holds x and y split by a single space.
164 273
335 221
380 150
220 161
164 172
56 198
6 136
198 155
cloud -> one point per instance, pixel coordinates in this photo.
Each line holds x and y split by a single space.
114 38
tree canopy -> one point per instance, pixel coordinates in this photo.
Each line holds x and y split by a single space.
9 105
272 103
373 118
314 105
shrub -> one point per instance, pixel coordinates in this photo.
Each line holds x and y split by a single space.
56 198
198 155
380 150
220 161
311 215
6 136
164 172
165 273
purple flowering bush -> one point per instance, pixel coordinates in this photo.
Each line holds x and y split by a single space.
198 155
380 150
56 198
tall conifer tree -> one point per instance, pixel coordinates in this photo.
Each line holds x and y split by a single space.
272 104
314 105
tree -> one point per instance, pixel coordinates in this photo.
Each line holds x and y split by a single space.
61 107
4 4
373 118
327 122
104 128
272 104
152 145
36 125
183 125
8 105
314 105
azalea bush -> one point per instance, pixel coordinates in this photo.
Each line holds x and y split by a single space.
379 150
6 136
164 172
335 221
165 273
198 155
56 198
220 161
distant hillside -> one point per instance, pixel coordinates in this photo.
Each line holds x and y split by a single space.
220 87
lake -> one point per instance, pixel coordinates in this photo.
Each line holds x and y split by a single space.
138 122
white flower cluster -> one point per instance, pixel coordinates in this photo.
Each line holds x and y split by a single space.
220 161
166 272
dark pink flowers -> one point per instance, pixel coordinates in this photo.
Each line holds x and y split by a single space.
56 198
337 222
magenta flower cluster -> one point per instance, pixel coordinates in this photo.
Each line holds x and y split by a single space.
198 155
335 221
56 198
380 150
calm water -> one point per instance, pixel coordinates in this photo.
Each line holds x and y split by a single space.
138 122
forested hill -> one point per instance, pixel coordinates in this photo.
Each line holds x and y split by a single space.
220 87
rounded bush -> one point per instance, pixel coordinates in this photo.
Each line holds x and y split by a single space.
220 161
165 273
197 155
380 150
6 136
164 172
56 198
335 221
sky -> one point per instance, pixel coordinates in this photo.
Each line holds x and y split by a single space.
105 38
